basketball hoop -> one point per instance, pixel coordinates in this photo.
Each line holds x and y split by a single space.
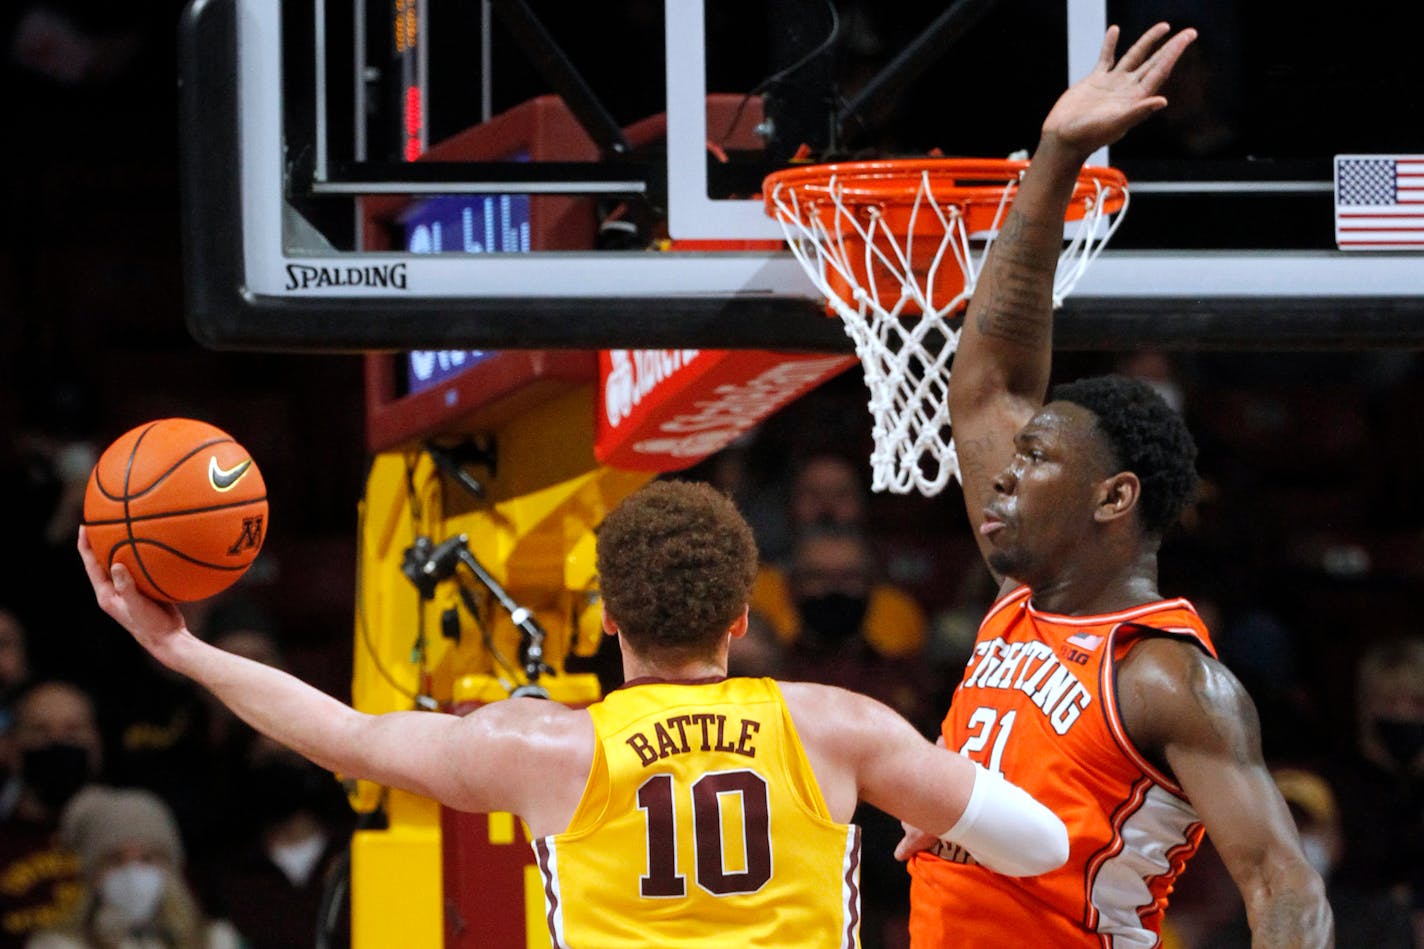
889 241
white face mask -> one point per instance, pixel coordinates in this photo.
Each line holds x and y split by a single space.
1317 853
134 890
1170 392
297 861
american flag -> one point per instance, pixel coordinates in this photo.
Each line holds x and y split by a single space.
1379 202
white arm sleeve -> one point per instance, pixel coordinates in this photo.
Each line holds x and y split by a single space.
1007 830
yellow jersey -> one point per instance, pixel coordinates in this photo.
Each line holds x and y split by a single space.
701 825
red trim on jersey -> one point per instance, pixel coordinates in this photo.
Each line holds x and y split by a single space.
1107 685
1122 616
853 890
1174 869
551 896
1112 848
656 680
1013 596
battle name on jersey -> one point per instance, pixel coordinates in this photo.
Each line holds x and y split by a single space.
1035 670
702 731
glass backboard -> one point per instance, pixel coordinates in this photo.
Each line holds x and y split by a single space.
634 136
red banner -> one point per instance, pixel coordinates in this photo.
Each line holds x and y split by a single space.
667 409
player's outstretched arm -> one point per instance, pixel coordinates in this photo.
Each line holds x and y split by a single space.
1001 369
486 761
860 748
1189 710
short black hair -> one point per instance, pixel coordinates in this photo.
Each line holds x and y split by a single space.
1147 437
676 563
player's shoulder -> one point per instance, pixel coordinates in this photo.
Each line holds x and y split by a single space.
1170 690
828 712
533 719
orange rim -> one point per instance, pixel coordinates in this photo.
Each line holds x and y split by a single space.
962 182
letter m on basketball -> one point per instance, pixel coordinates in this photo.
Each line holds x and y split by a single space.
251 535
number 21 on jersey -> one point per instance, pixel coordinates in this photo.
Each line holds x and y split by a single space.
989 729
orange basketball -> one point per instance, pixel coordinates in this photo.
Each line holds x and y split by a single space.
181 505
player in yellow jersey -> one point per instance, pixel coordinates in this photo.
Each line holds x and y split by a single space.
686 809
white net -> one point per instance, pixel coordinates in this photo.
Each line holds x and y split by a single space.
901 326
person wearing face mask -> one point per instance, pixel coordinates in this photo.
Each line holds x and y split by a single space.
828 497
135 896
1362 920
54 749
269 882
841 626
1380 783
830 596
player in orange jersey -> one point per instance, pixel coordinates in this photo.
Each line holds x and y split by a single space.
1085 686
684 810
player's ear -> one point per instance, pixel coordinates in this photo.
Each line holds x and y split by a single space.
610 628
739 626
1118 495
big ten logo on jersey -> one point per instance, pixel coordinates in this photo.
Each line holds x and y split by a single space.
1034 669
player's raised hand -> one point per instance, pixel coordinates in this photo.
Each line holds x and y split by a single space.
1101 107
151 623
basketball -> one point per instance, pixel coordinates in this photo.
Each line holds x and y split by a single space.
180 504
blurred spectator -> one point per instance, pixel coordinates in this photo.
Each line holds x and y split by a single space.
270 881
823 489
839 626
831 602
74 43
135 896
216 791
56 748
14 658
14 673
1361 922
54 751
758 653
156 730
1264 653
1380 785
827 491
1158 371
284 821
53 453
238 625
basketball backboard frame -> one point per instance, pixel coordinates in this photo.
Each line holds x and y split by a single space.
258 276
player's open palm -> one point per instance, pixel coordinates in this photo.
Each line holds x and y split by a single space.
1100 108
150 622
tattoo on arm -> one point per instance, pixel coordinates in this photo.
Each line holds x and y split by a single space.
974 462
1020 299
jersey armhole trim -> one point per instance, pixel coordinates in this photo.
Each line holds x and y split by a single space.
1108 687
793 752
589 813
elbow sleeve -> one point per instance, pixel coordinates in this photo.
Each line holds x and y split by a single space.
1007 830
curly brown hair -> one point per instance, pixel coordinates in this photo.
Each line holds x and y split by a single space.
676 561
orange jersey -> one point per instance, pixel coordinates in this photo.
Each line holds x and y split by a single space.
1037 704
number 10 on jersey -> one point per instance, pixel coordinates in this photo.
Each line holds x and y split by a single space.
719 800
